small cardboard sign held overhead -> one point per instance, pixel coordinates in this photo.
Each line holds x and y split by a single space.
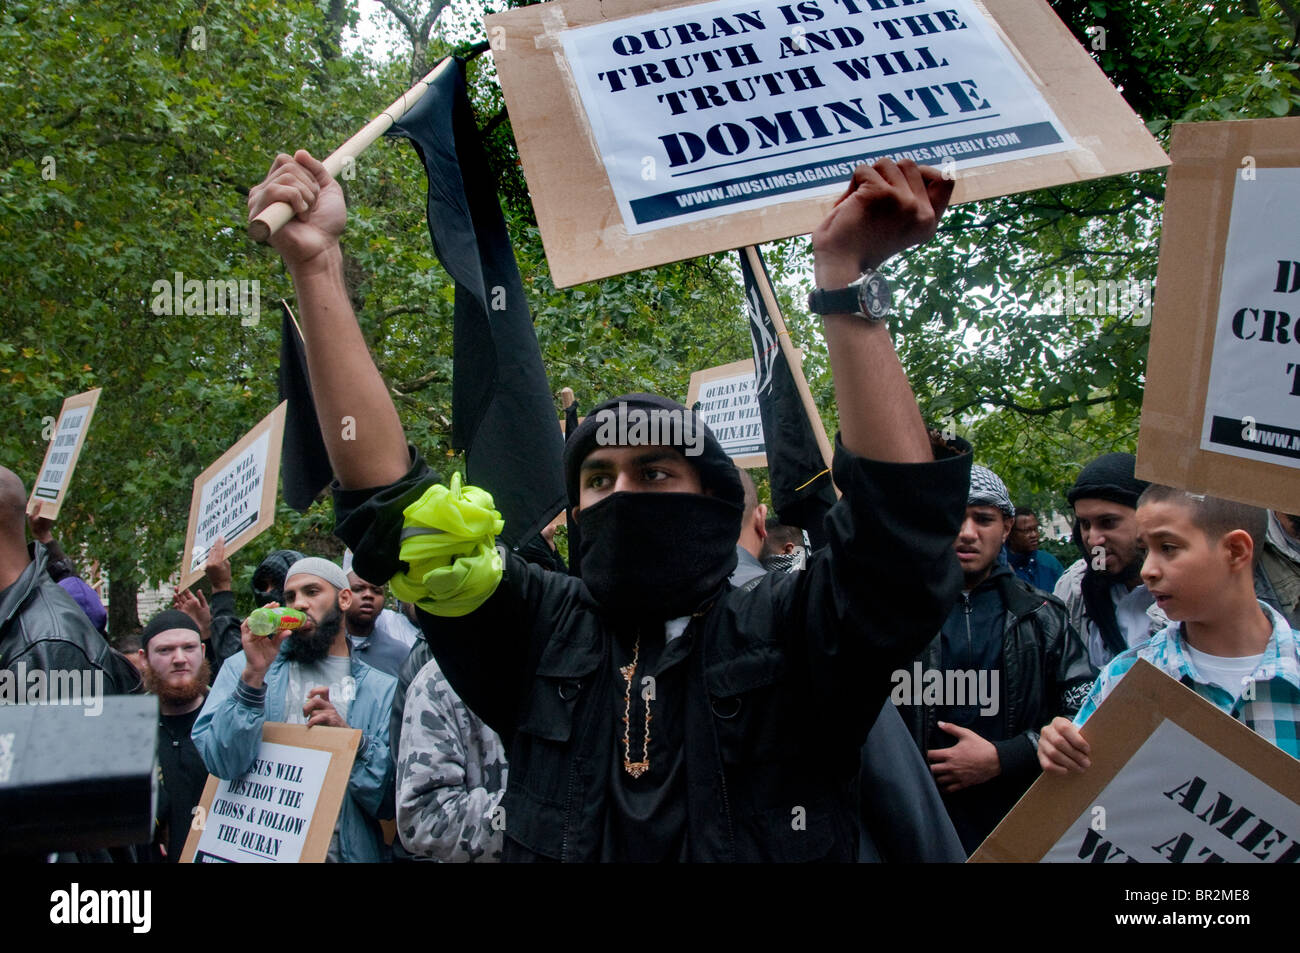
283 811
1173 780
235 497
1221 412
653 132
51 487
728 402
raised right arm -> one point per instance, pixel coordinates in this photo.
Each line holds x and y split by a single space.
344 380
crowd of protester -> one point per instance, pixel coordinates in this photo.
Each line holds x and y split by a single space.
429 762
710 687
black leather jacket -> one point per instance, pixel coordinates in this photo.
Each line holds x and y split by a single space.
783 682
42 627
1045 671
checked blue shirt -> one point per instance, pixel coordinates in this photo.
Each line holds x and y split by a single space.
1270 707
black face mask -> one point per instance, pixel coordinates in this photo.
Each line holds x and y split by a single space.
657 554
784 562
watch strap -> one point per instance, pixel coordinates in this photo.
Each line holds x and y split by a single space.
839 301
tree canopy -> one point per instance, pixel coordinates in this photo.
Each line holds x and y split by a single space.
132 138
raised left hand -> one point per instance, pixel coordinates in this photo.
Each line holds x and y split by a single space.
888 207
195 605
41 526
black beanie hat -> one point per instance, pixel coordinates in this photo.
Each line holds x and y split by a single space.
1109 477
166 620
716 469
272 570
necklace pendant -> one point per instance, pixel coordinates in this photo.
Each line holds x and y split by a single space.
636 768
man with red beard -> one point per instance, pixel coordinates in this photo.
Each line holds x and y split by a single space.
175 669
308 676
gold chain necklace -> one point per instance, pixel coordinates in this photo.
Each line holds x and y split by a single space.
634 768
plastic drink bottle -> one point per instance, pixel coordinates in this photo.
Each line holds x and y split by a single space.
267 621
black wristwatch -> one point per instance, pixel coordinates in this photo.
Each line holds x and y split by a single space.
869 298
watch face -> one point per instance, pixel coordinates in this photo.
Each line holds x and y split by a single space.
875 297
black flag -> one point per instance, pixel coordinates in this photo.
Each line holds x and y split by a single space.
304 462
802 491
503 414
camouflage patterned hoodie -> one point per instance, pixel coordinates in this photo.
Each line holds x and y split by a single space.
451 775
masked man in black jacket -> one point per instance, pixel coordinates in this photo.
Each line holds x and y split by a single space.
651 711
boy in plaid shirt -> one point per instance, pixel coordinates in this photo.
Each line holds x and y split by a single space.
1232 650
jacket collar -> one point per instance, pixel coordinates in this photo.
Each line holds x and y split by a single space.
24 585
359 667
279 670
1285 544
1281 658
1019 596
1000 577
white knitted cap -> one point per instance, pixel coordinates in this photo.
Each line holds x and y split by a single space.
322 569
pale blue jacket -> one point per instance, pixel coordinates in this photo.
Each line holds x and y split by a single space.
228 733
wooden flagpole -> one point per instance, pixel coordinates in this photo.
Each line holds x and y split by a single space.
791 355
276 216
298 327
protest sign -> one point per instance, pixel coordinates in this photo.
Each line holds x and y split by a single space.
235 497
1173 780
283 811
66 441
654 132
728 403
1221 412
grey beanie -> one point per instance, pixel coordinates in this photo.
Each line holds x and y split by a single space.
987 489
322 568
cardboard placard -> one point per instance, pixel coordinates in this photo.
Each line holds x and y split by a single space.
729 405
235 497
1173 779
284 810
691 96
1221 412
51 486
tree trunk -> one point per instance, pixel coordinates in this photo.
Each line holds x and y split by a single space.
123 588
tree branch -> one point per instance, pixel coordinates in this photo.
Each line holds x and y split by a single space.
501 116
1035 411
69 119
402 309
132 137
412 31
424 380
474 50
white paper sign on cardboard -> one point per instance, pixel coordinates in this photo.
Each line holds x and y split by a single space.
1177 800
58 461
739 104
230 502
264 816
729 405
1252 403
